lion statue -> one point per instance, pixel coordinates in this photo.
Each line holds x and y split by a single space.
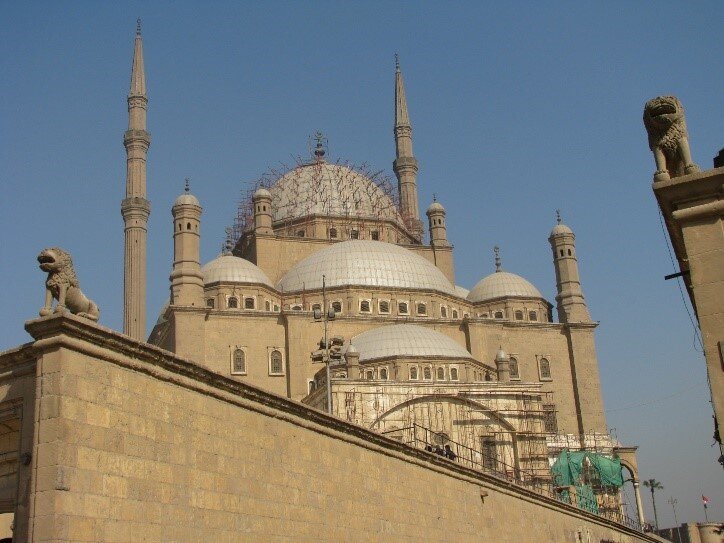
62 284
668 138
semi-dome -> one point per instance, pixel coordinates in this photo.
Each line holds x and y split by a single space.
407 340
502 284
321 188
365 263
232 269
461 292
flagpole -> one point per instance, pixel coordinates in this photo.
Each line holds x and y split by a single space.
706 517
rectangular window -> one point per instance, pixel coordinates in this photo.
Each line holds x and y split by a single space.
375 235
364 306
384 307
490 454
549 418
403 308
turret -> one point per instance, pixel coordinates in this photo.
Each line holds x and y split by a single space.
262 200
405 164
502 363
187 284
135 208
352 359
436 221
571 303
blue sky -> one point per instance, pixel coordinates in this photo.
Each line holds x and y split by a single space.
517 109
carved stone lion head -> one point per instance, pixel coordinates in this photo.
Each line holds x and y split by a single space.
54 259
661 112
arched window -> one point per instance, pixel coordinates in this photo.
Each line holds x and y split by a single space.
369 375
275 363
518 315
239 362
453 374
443 312
514 371
427 373
440 374
354 234
337 306
532 316
569 252
333 233
384 306
249 303
562 254
267 305
402 308
364 306
188 226
375 235
316 307
421 309
276 307
210 303
383 374
545 368
296 307
232 303
498 314
300 233
413 373
488 377
312 387
455 314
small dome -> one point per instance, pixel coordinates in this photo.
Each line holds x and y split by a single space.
365 263
262 193
502 285
232 269
351 349
561 228
186 199
461 292
435 206
407 340
501 355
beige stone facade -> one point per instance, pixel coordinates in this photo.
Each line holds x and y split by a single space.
122 441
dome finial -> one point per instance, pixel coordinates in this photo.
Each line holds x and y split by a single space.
558 216
226 250
138 26
434 197
397 62
187 188
319 148
498 263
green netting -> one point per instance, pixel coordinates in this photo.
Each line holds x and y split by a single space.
568 468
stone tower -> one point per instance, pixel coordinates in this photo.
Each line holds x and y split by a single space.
571 304
135 208
187 281
405 164
262 211
438 228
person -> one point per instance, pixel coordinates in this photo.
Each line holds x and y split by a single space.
438 450
428 447
449 453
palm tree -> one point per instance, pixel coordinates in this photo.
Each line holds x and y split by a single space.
653 485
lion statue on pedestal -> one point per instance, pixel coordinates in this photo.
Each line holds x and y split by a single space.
668 139
62 284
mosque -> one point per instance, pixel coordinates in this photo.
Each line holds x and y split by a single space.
330 291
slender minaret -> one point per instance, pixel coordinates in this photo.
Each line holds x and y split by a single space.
571 304
187 281
135 208
405 165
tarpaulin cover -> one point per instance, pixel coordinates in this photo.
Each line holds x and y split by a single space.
568 468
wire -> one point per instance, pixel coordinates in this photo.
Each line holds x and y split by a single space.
697 337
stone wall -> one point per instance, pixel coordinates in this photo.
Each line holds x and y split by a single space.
132 443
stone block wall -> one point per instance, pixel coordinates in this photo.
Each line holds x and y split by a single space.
131 443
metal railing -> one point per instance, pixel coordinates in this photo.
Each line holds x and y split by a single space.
423 438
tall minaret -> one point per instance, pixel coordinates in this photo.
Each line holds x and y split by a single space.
405 165
135 208
571 304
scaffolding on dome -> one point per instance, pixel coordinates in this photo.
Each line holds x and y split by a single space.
332 192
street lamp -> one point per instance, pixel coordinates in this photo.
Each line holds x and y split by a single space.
326 315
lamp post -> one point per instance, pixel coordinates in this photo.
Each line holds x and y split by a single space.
326 315
673 501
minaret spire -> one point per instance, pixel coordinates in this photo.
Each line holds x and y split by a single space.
405 164
135 208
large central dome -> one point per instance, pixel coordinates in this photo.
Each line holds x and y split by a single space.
326 189
365 263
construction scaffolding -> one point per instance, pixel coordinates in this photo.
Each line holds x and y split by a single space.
316 197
